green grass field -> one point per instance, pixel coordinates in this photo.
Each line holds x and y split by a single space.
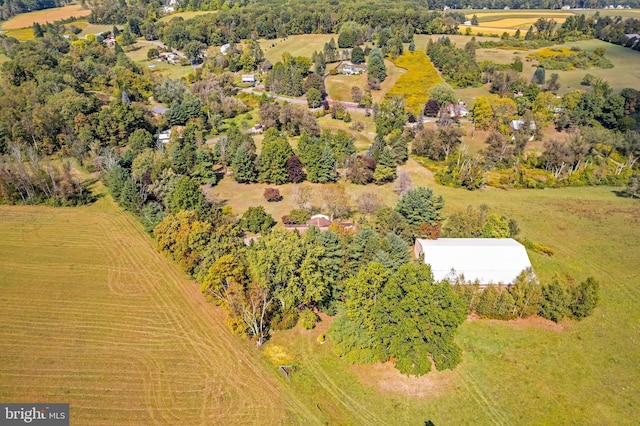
297 45
339 86
625 71
94 29
185 15
168 70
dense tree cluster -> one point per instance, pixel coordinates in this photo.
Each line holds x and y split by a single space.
557 300
458 66
401 315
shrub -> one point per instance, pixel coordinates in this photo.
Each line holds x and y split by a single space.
272 194
296 217
307 319
255 219
285 320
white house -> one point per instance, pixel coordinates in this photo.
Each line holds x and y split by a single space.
350 69
248 78
517 125
164 137
488 260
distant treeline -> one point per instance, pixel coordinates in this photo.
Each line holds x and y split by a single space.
9 8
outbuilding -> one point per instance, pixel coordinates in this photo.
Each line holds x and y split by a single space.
487 260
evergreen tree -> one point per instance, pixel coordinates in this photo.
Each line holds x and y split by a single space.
555 301
421 205
357 55
375 66
584 299
273 158
244 166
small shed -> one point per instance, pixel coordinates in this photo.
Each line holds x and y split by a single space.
487 260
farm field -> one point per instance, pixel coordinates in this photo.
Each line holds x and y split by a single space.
129 339
297 45
625 71
46 15
93 316
421 40
21 34
185 15
94 29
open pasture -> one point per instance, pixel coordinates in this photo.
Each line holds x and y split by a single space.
339 86
94 29
21 34
625 71
520 14
185 15
297 45
421 40
92 315
43 16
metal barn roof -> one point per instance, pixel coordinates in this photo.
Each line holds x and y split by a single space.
488 260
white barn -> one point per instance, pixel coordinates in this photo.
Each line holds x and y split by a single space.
488 260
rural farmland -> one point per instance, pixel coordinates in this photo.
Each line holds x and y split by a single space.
140 344
222 213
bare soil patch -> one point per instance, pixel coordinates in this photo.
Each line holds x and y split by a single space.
384 377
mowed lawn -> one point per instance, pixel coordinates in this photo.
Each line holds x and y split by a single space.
186 15
46 15
93 316
625 71
297 45
139 56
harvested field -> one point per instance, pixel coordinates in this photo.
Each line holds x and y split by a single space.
93 316
43 16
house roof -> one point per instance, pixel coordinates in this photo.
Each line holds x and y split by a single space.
488 260
320 222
